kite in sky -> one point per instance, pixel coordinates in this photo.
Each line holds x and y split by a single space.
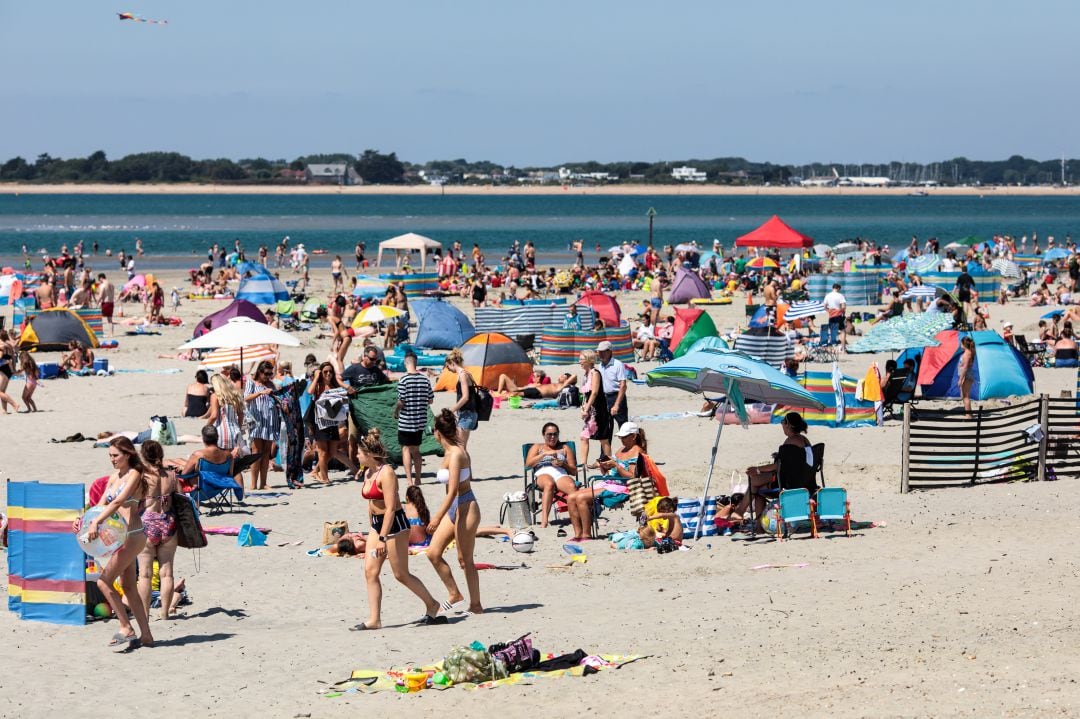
136 18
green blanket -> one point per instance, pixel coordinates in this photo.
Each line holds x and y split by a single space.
374 407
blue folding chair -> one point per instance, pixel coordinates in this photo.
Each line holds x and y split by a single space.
833 505
215 486
796 506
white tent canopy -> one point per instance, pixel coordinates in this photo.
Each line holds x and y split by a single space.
409 242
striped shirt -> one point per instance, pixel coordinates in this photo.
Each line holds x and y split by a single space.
264 412
415 394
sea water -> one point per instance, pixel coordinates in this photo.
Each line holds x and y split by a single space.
176 230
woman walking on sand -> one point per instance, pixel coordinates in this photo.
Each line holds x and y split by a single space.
33 376
389 535
458 516
7 368
159 524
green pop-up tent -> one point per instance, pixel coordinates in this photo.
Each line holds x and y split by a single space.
690 325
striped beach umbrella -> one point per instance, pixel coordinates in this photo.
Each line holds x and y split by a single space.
262 290
375 314
922 263
920 292
762 263
235 356
490 354
801 310
1007 268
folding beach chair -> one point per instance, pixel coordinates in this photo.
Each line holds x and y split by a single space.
833 505
532 491
796 506
792 472
215 489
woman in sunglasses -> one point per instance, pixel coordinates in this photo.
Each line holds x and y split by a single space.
556 466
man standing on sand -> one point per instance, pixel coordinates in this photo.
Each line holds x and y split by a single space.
414 397
44 294
836 307
106 296
613 372
771 296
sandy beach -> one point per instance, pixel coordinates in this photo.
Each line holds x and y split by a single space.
523 190
959 605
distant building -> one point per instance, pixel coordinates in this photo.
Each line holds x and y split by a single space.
689 174
332 174
566 175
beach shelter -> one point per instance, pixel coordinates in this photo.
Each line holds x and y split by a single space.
368 287
709 343
775 233
51 330
1000 370
605 307
836 393
46 566
256 269
407 243
688 286
691 325
766 344
560 345
490 354
440 325
239 308
262 290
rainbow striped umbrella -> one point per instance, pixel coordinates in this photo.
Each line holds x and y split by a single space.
762 263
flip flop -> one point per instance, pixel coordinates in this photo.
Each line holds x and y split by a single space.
561 532
362 627
122 642
429 621
457 607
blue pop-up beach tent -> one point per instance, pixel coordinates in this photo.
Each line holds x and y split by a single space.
440 325
1000 371
262 290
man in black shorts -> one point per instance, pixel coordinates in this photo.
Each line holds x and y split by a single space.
965 286
414 397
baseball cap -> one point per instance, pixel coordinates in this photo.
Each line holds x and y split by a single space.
627 429
604 346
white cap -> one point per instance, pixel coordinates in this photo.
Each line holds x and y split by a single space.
627 429
604 346
1007 324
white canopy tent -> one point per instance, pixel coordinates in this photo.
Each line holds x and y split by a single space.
409 242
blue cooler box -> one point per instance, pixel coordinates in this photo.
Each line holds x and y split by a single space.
48 370
101 364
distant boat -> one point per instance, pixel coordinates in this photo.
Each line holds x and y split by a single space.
919 193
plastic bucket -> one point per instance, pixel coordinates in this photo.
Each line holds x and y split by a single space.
515 402
496 402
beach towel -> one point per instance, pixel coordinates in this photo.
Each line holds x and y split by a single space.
374 407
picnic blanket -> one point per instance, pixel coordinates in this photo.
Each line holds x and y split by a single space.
373 681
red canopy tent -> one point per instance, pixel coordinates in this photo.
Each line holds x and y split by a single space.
775 233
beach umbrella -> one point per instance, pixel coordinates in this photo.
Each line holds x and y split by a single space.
490 354
922 263
738 377
920 292
1053 315
374 314
801 310
369 287
241 332
968 241
686 247
136 281
762 263
1007 268
1055 253
262 290
901 255
822 250
237 356
904 332
618 250
846 248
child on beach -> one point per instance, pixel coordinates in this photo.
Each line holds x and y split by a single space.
30 371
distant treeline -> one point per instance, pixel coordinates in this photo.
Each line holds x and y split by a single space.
374 167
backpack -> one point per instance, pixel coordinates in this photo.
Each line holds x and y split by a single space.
483 401
189 531
570 396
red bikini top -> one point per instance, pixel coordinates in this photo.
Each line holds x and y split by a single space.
375 493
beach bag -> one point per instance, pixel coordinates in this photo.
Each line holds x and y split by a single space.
469 665
331 408
333 531
688 513
484 402
162 431
642 489
250 536
655 475
570 397
517 656
189 531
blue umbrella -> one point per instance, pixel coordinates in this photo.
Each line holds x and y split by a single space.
262 290
738 376
1056 253
1052 315
922 263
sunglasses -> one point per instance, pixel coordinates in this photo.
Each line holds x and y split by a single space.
551 434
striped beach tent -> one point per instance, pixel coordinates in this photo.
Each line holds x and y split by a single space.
46 566
262 290
529 319
853 412
415 283
770 348
562 346
490 354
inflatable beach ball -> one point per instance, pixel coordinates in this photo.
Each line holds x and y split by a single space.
112 532
770 519
523 542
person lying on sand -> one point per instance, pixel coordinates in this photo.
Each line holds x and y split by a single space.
507 387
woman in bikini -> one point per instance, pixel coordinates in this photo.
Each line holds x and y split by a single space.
966 373
389 535
123 494
33 375
159 524
556 467
7 368
419 515
458 516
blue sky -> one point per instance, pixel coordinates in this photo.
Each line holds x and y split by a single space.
542 83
